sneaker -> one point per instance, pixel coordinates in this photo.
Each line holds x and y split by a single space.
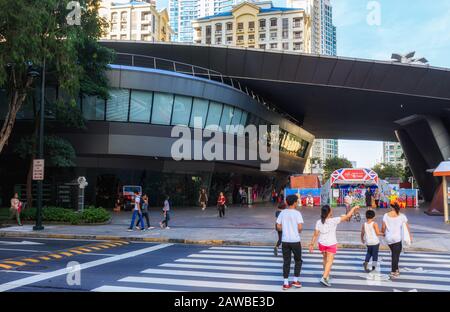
160 224
366 268
275 251
137 228
325 282
151 228
167 228
286 287
394 275
130 230
297 284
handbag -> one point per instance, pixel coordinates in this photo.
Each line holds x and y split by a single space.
406 238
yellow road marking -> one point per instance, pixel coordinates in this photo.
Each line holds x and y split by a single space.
110 244
75 251
55 256
84 249
44 258
31 260
4 266
103 246
68 254
95 248
18 263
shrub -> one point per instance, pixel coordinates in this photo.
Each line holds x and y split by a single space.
57 214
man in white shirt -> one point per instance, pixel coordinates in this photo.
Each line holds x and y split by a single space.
137 212
290 222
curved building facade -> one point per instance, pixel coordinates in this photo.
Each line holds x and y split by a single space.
129 139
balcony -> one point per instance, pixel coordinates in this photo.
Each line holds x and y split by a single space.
262 29
251 30
218 32
251 40
240 30
240 41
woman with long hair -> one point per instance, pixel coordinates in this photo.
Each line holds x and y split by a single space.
393 230
325 232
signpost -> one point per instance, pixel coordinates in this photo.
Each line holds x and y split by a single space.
38 170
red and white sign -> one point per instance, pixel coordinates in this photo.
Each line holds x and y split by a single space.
38 169
354 176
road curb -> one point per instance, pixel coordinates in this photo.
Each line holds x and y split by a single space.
212 242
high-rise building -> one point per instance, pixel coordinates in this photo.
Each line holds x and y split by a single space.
392 154
135 20
183 12
256 25
323 41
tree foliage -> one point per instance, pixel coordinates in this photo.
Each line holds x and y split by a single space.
386 170
335 163
34 31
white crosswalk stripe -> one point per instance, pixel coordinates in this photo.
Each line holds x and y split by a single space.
251 268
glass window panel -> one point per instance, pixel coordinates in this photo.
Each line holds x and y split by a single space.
93 108
181 110
200 110
243 123
117 105
140 106
236 119
215 110
162 108
227 115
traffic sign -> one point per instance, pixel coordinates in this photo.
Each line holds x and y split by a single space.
38 169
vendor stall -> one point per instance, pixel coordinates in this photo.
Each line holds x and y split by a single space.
443 170
357 181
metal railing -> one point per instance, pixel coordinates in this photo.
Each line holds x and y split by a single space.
128 59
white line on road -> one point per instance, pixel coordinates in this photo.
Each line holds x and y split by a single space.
405 257
23 272
44 276
319 260
24 250
305 265
305 271
275 278
228 285
20 243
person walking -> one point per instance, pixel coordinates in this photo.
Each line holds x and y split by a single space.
137 213
144 211
290 223
394 223
221 205
377 197
369 237
369 195
280 208
16 207
203 199
325 233
164 224
274 196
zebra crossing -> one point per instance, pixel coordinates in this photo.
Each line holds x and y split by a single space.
229 268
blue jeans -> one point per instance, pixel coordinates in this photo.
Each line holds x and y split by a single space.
133 218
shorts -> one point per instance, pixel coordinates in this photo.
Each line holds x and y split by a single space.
331 249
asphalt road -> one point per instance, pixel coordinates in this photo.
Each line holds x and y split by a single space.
35 265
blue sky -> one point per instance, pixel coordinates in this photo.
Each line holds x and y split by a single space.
405 25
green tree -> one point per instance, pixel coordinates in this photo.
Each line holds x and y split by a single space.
34 31
386 170
76 64
333 164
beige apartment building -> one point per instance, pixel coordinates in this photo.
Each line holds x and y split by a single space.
135 20
257 25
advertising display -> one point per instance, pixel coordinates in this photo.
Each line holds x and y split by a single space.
354 176
305 194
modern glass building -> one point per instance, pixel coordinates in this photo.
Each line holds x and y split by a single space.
128 137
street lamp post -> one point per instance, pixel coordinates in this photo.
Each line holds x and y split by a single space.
39 226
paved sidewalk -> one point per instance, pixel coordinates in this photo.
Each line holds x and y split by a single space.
242 226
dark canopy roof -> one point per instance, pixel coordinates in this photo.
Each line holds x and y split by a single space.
332 97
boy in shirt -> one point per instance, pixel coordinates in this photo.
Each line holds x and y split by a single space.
290 222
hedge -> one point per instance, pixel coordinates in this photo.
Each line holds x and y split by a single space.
57 214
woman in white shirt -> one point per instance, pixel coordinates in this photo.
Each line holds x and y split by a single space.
326 232
392 228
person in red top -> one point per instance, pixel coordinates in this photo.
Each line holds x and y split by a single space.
221 205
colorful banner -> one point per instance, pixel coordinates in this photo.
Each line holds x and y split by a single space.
354 176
